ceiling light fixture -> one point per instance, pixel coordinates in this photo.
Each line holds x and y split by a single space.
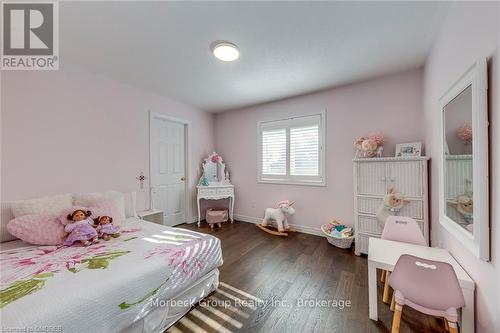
225 51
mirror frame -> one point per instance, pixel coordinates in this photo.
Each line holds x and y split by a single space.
478 242
220 172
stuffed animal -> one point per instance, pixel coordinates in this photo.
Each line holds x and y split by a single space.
465 206
336 229
279 215
105 227
391 205
80 229
204 180
464 203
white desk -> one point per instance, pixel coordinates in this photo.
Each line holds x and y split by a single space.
384 254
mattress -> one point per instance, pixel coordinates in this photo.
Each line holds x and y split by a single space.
108 287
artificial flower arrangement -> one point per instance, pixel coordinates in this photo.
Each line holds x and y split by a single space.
464 133
216 158
371 146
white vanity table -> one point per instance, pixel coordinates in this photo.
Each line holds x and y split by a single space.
216 192
215 184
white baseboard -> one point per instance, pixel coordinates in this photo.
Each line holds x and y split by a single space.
296 227
191 219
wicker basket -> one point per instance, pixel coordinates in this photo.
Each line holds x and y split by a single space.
216 215
343 243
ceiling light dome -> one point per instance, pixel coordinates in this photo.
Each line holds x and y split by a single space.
225 51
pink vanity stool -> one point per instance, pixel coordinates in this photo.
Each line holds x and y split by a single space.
400 229
428 286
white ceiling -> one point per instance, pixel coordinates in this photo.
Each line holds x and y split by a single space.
287 48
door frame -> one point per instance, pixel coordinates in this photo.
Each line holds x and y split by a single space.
187 157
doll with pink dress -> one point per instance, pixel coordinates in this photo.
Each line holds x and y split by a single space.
80 228
105 227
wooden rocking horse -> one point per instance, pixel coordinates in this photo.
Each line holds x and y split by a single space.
279 215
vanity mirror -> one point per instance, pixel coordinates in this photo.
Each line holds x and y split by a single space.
214 170
464 210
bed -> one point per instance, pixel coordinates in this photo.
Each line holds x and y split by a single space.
143 281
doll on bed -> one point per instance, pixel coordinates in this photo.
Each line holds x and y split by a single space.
79 228
105 227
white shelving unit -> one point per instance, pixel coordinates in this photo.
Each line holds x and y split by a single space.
372 179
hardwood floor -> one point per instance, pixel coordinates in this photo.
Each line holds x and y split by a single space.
282 270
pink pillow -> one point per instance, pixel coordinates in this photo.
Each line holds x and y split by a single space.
39 229
103 208
106 208
63 215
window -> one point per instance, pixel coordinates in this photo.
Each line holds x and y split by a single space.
291 150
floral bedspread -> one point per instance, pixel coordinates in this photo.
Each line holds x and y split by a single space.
103 287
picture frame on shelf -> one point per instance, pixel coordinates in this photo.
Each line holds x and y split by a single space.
408 149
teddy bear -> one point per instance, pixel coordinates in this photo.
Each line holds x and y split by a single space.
391 205
464 204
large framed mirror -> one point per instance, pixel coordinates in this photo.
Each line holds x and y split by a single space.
464 183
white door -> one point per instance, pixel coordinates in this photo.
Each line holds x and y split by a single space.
168 177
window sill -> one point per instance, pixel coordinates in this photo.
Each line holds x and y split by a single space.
293 182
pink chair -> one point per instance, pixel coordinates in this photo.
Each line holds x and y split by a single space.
428 286
400 229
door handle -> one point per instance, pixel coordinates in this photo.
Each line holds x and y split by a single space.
183 178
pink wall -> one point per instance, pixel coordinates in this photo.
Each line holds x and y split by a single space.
352 111
470 32
69 131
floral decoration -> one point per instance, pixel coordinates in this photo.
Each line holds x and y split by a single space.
370 146
464 133
186 259
26 271
216 158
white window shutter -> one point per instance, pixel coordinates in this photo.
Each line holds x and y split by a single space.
304 151
291 150
274 152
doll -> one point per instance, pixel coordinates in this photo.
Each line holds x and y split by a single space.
79 228
105 227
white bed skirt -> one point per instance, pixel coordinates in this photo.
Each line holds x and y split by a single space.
165 315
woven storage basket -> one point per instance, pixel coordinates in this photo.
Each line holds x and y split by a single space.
216 215
343 243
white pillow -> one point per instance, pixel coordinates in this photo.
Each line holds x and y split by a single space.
130 204
47 205
5 216
89 199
